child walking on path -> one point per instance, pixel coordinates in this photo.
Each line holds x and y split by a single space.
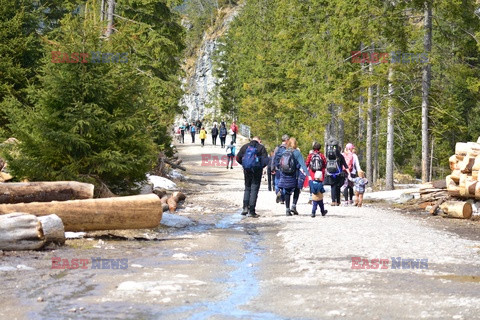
360 183
317 191
231 154
203 136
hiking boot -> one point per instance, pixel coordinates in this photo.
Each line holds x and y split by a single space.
245 211
313 215
294 211
283 202
279 196
324 213
333 204
253 215
288 214
231 167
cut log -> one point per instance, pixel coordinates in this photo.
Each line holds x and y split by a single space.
453 190
457 209
463 185
434 209
20 192
453 162
461 148
52 229
456 176
20 231
467 164
133 212
174 200
475 175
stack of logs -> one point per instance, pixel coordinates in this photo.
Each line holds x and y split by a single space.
73 203
461 188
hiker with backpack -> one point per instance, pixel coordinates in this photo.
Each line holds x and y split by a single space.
353 167
336 169
316 161
223 134
214 132
192 132
293 171
253 157
277 154
234 131
230 154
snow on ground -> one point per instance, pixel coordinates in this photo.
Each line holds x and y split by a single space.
161 182
175 221
391 196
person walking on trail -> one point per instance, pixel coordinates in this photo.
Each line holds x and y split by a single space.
230 154
234 130
335 170
198 124
316 161
253 157
192 132
292 167
203 136
277 154
223 134
271 172
353 167
317 191
182 133
214 134
360 183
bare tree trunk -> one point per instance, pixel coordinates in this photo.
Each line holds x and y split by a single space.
376 169
341 125
390 133
369 127
110 12
361 126
102 10
426 79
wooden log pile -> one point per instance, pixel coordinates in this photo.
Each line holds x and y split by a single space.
26 211
452 195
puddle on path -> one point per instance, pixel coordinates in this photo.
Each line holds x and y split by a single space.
243 284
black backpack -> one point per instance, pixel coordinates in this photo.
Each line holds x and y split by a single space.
288 164
316 163
332 161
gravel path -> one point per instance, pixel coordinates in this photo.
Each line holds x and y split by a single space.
307 268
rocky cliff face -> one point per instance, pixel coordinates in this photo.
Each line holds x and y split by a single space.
201 84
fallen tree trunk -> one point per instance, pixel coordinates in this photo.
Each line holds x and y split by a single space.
133 212
23 231
174 200
20 192
457 209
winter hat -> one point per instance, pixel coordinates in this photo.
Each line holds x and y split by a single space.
318 175
349 146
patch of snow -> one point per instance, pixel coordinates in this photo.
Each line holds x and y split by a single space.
161 182
74 235
392 195
175 221
177 175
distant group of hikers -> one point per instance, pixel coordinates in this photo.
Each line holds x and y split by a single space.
288 172
216 131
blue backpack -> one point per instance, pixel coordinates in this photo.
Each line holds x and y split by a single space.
251 160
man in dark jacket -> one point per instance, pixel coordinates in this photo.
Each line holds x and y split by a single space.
253 157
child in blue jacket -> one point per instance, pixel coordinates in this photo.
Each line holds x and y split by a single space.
317 191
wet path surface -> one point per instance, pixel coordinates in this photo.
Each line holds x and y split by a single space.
226 266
